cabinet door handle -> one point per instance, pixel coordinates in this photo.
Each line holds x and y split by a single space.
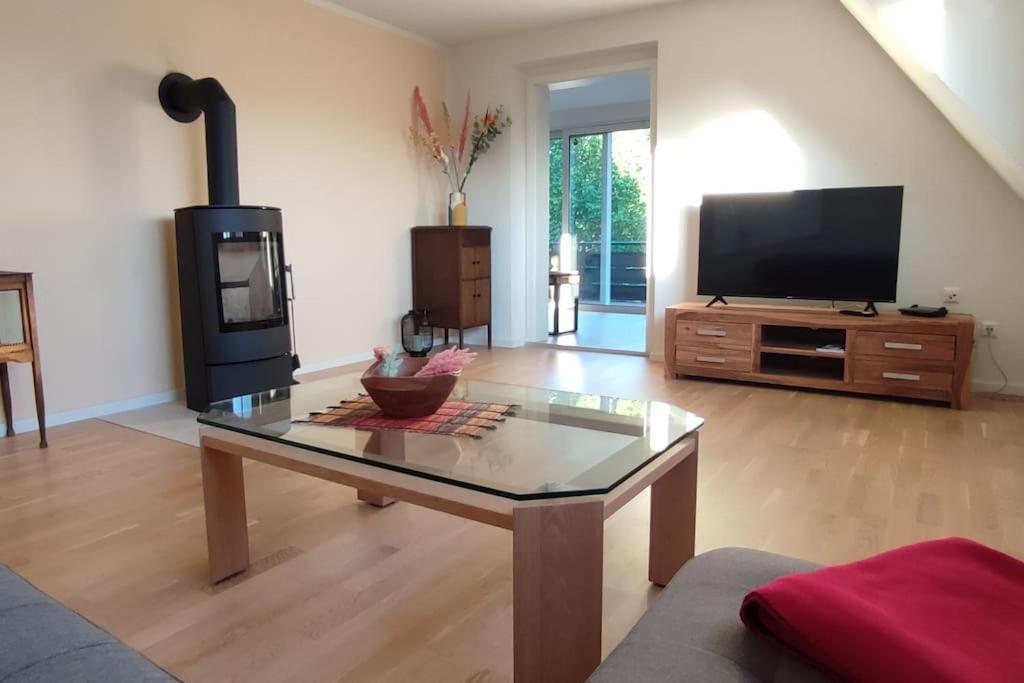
905 376
710 333
711 359
903 346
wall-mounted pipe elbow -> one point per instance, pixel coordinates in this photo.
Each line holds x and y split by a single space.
184 99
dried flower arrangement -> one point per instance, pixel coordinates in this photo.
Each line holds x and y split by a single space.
445 149
389 362
447 362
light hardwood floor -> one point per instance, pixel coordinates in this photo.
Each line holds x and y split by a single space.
110 521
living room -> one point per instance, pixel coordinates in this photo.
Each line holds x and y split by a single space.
128 520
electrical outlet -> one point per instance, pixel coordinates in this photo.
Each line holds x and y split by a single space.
951 295
989 328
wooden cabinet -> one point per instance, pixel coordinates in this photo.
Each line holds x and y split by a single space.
891 354
451 277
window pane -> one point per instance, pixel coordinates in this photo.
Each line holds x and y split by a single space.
586 194
631 190
555 202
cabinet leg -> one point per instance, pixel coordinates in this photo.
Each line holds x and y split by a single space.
488 335
5 397
446 336
37 377
576 315
462 345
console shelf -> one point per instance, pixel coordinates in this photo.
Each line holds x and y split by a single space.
888 355
810 350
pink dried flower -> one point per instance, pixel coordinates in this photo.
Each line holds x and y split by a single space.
447 362
381 352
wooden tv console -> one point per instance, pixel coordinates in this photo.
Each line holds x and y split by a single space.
889 355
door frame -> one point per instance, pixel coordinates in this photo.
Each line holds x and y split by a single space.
538 134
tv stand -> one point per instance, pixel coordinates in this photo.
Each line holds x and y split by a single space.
716 299
885 354
869 311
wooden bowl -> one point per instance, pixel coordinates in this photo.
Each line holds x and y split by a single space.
405 395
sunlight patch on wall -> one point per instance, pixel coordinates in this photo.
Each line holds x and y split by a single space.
921 26
744 152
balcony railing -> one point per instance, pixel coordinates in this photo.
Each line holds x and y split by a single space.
628 282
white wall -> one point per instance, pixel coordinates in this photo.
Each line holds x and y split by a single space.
93 168
765 96
966 56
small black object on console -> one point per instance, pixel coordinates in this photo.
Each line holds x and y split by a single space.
925 311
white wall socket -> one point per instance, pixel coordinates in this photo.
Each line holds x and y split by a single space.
989 328
951 295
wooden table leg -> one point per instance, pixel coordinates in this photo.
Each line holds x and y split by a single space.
5 397
37 378
557 564
673 520
227 534
374 499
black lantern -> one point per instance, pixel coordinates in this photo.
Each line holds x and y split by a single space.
417 334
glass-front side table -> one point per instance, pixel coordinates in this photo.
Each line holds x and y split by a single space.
19 343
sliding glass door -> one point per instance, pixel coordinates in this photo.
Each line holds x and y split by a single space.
599 199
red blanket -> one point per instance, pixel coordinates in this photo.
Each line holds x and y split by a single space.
950 610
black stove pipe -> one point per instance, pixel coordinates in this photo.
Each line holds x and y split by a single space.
184 99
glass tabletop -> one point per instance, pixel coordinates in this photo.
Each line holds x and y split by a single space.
557 444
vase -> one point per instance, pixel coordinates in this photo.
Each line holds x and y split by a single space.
457 208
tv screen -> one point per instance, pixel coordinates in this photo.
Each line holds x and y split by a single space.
838 244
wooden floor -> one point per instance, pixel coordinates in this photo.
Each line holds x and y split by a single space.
110 521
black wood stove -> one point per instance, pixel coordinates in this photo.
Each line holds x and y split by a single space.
231 268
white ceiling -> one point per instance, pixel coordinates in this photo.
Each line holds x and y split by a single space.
451 22
620 88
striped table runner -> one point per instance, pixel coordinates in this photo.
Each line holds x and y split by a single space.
454 418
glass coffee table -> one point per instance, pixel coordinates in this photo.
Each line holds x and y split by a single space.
551 474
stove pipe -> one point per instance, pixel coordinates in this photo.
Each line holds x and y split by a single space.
184 99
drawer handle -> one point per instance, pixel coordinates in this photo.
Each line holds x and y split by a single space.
903 346
906 376
710 333
711 359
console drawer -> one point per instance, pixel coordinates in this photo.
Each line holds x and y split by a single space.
714 335
717 359
902 373
939 347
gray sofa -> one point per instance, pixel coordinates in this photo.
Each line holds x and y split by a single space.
43 641
693 632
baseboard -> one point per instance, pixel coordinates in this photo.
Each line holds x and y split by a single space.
988 387
99 410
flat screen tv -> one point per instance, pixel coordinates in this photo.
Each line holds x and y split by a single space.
841 244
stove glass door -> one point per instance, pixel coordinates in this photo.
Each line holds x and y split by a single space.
250 285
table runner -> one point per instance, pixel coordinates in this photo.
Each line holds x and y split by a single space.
453 418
